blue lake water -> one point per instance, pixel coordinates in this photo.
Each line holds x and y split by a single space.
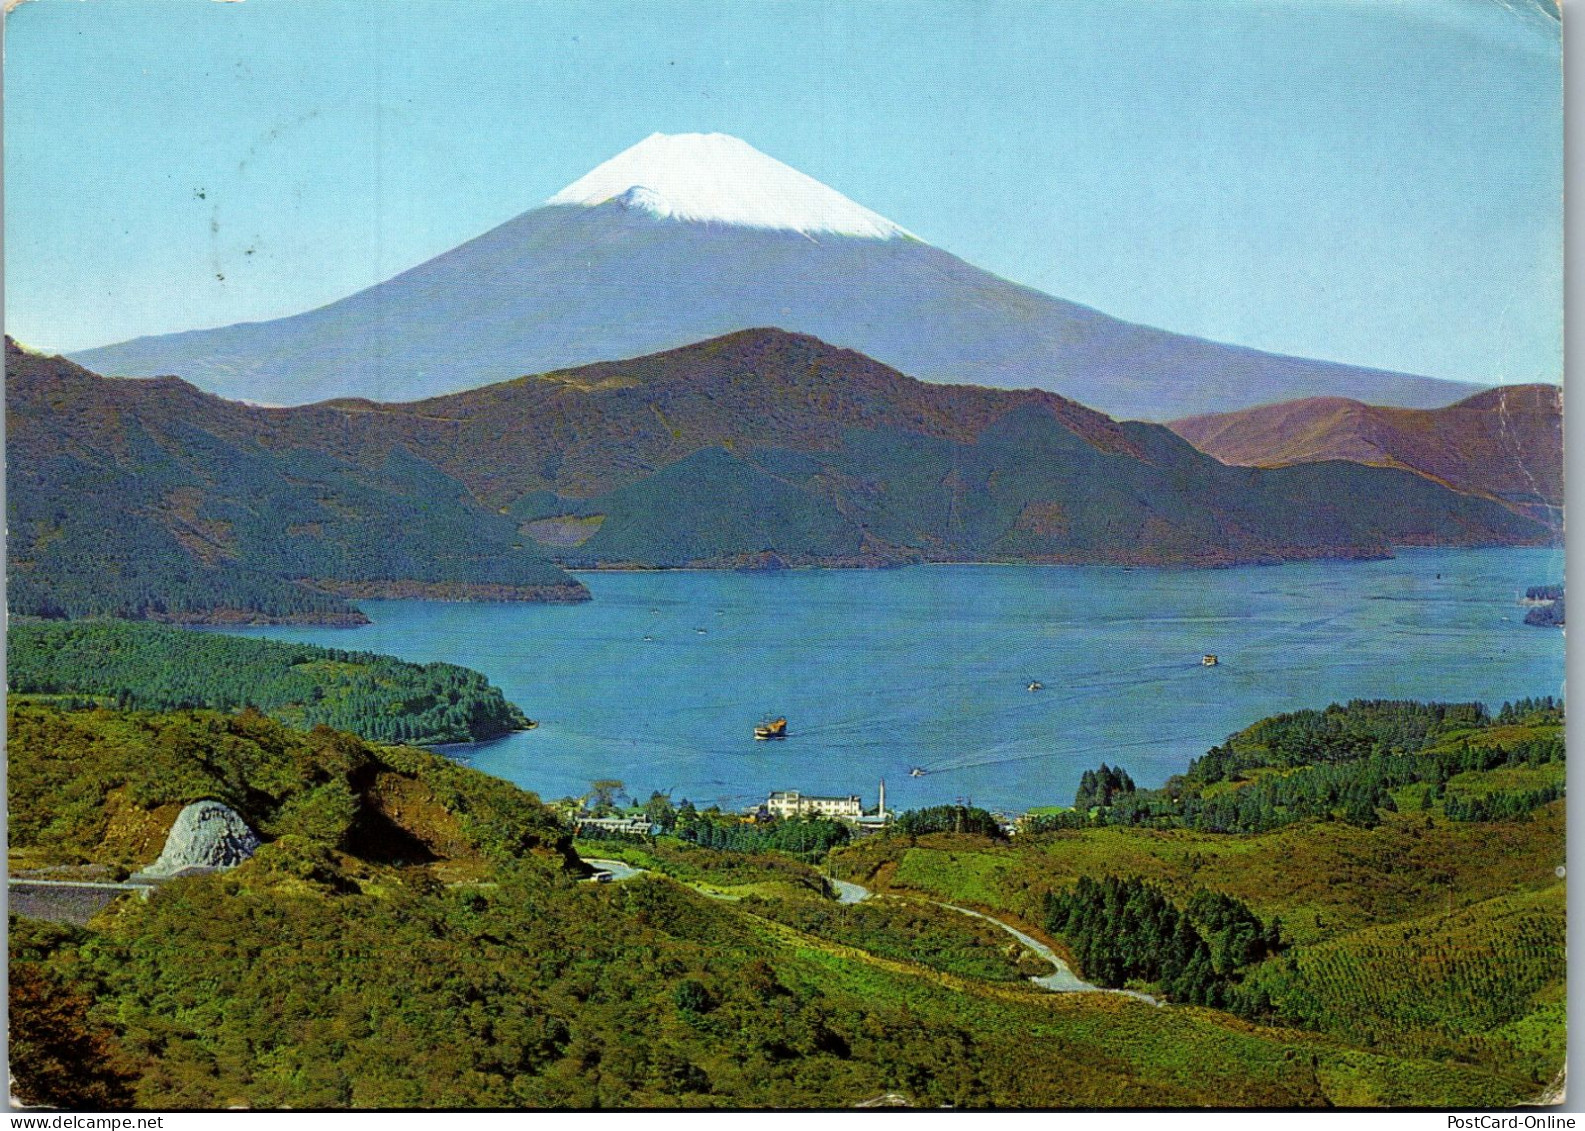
881 671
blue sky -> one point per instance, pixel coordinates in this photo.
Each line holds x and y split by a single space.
1364 181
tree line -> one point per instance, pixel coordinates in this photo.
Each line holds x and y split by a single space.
948 819
1360 755
805 838
1127 930
160 668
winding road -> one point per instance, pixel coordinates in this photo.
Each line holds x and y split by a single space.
617 869
1061 980
849 892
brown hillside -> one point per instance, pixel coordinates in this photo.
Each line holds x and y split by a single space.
578 432
1505 443
582 432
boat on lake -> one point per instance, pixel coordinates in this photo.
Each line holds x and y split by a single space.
771 728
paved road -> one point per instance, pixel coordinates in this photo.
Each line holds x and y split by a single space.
848 892
1061 980
64 901
100 885
618 870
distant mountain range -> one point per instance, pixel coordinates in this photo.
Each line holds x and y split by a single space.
759 449
1505 443
687 237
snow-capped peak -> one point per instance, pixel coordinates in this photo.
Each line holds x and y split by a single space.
715 178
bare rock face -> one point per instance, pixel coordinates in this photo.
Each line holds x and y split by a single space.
207 835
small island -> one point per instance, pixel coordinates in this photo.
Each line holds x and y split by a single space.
1547 606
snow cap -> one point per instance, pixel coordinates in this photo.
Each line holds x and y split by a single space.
718 179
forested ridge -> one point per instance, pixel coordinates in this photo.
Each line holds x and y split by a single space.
91 786
154 667
150 500
1383 872
1349 762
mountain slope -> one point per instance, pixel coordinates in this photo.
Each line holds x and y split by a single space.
761 448
151 499
727 241
411 935
1505 443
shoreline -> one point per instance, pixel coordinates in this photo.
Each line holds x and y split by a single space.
1389 554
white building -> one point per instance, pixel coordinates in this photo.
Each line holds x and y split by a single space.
791 803
632 826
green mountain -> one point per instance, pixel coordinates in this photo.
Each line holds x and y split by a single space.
762 448
156 667
150 499
1382 873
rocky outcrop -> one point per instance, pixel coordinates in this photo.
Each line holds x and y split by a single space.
207 835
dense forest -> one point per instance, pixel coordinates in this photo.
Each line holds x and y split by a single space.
947 819
1126 930
1344 763
1098 787
155 667
151 500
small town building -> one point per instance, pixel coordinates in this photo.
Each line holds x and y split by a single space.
787 803
633 826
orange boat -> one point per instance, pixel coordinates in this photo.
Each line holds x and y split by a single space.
774 728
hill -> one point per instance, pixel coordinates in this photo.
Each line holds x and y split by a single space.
150 499
1407 900
103 788
412 934
1504 443
685 238
761 448
152 667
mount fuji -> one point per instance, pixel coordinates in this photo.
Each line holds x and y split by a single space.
686 237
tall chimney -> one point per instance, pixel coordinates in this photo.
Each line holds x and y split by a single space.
882 813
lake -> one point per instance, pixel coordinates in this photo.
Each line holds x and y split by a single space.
660 680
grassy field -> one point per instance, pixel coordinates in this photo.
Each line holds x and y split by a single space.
1424 939
1320 878
1102 1050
